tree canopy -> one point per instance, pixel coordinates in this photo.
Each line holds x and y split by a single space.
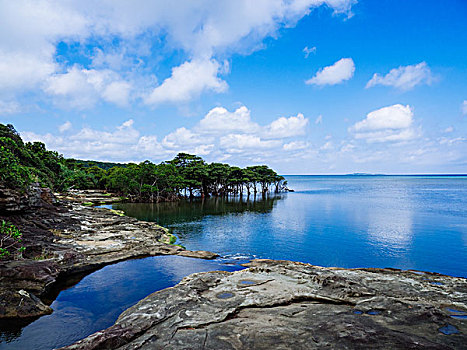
186 175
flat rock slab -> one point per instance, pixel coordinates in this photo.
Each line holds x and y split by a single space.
74 239
287 305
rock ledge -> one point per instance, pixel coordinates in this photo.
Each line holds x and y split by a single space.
69 238
288 305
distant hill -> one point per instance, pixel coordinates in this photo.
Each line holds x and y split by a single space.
102 165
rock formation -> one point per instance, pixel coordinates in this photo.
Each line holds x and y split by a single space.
287 305
64 240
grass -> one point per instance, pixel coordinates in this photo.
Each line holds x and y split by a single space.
88 204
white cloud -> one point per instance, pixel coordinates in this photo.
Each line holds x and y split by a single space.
295 145
392 123
188 81
182 137
220 120
335 74
404 78
236 143
9 107
319 120
286 127
309 50
124 134
464 107
451 141
65 126
81 88
117 145
31 30
206 138
117 92
22 71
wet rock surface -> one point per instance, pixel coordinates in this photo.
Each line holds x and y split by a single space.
287 305
65 239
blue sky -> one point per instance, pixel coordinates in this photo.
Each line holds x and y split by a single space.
305 86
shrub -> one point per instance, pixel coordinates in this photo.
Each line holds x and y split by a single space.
10 240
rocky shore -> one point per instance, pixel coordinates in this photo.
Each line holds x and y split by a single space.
64 238
271 304
288 305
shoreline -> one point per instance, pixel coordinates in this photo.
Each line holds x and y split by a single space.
83 239
290 305
74 239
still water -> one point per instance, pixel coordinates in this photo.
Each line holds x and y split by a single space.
408 222
99 298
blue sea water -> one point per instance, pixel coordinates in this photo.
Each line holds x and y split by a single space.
407 222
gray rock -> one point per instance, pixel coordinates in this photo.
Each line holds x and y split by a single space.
67 240
287 305
13 201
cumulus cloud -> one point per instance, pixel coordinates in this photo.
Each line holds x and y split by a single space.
392 123
464 107
236 143
220 120
30 32
404 78
81 88
119 144
219 134
286 127
187 81
335 74
185 140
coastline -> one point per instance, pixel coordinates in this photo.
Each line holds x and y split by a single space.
290 305
70 239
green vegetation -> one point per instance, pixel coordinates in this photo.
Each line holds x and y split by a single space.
184 176
10 240
117 212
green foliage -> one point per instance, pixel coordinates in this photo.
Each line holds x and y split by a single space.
185 175
172 239
10 240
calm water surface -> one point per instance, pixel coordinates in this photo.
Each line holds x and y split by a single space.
408 222
99 298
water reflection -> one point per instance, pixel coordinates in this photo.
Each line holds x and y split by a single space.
390 227
99 298
169 213
350 221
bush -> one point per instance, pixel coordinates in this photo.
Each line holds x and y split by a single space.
10 240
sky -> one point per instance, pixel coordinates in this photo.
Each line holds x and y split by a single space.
304 86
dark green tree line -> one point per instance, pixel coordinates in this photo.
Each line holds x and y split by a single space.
184 176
